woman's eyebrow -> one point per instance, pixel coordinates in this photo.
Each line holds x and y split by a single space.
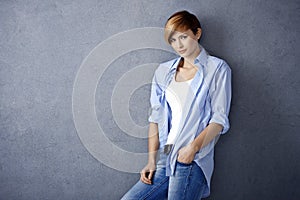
180 34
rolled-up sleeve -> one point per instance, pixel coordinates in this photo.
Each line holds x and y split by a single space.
221 97
155 100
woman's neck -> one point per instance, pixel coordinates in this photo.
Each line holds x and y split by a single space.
189 61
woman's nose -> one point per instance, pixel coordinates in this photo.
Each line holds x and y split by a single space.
179 44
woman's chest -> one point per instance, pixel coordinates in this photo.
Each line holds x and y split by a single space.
183 74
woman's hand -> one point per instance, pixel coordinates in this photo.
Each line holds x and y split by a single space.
147 173
187 154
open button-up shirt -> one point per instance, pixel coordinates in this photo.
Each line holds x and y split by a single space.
208 101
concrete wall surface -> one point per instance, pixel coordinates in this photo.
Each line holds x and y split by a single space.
70 70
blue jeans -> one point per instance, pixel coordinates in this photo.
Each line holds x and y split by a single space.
188 183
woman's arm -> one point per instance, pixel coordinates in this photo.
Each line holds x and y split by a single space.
219 123
187 153
153 142
153 145
207 135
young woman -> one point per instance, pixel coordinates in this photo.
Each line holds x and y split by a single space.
190 101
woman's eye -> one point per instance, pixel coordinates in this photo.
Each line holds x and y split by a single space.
183 37
172 40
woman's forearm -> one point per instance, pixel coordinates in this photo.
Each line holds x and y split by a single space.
153 142
206 136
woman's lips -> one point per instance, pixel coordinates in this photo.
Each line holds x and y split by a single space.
182 51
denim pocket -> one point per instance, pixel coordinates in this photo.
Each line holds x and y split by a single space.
183 169
184 164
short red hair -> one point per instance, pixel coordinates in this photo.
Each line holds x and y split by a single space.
181 21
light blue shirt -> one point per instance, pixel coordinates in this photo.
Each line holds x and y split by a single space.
209 101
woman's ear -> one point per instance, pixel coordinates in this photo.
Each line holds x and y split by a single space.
199 33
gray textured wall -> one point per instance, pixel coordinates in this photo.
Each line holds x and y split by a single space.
42 45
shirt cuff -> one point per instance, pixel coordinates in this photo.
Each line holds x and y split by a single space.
221 119
155 114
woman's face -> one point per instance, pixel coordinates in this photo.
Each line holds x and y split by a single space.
185 43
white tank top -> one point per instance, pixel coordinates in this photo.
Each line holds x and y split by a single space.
176 94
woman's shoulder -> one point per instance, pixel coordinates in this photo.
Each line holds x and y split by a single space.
168 64
218 63
215 59
164 69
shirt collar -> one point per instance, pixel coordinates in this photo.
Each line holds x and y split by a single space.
202 57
